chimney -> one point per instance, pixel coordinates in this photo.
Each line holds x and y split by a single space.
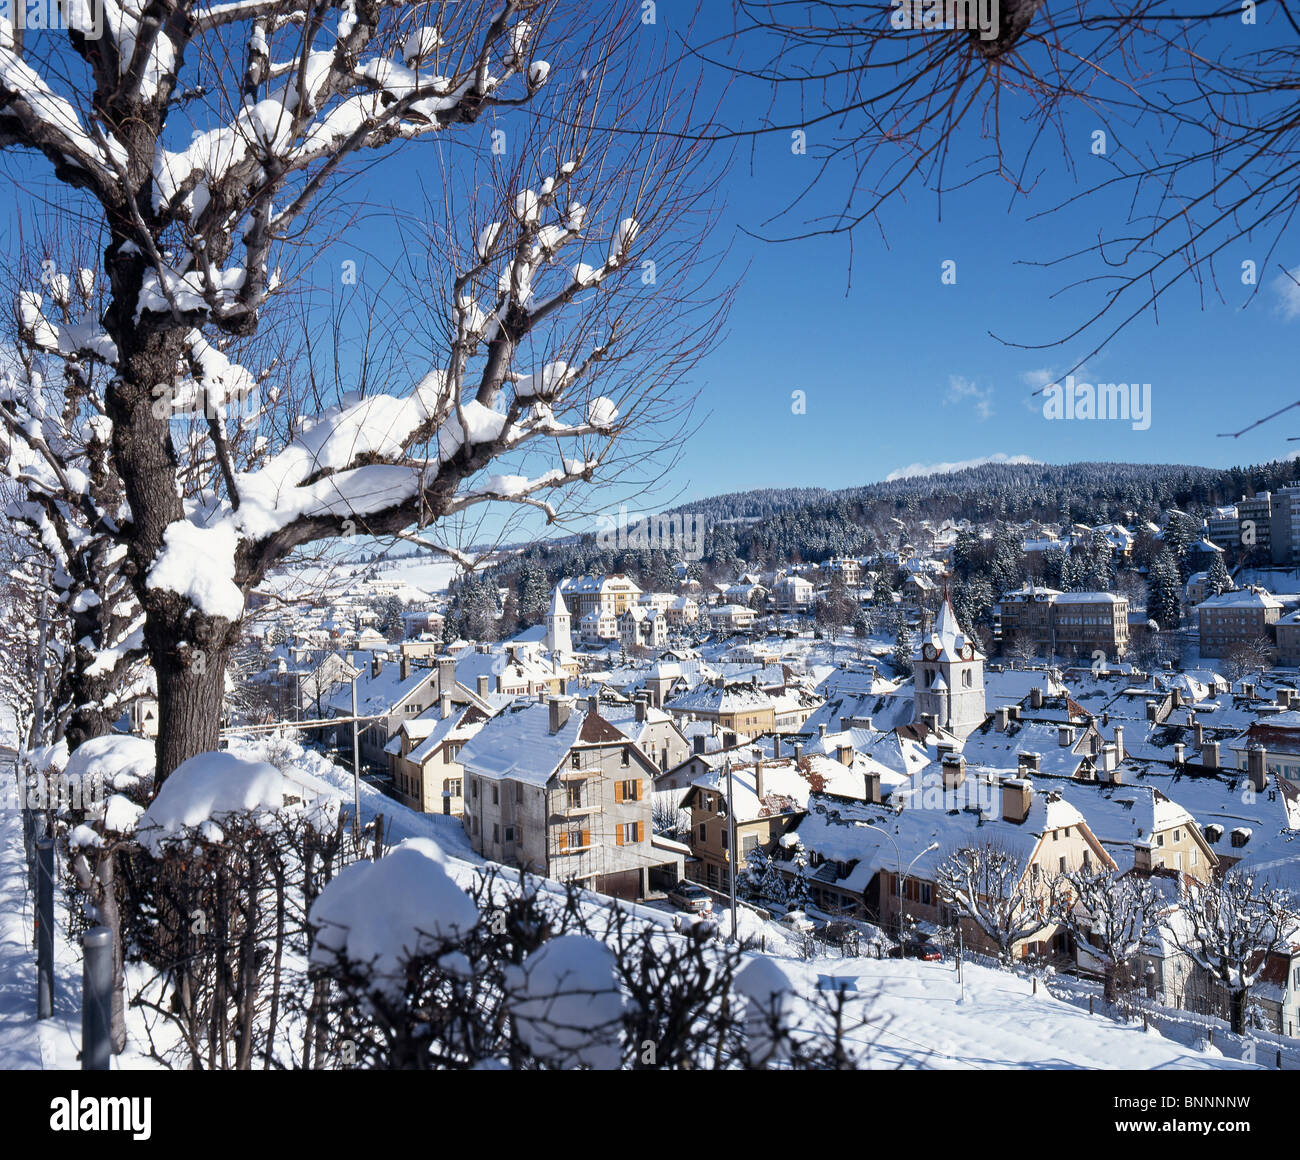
1064 735
1198 735
872 786
640 710
446 674
758 774
1036 698
954 770
1257 764
1210 755
444 705
844 754
846 723
1017 796
1119 742
1248 687
593 705
560 708
776 747
1180 753
821 729
481 683
405 667
728 739
798 752
1004 718
1013 712
1116 775
376 665
1284 698
1152 710
1175 698
697 743
945 749
1029 763
931 722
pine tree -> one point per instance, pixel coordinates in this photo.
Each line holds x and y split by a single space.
1164 588
1218 581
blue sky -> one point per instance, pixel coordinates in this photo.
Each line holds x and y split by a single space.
900 370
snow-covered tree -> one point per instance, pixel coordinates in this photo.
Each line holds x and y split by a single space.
1112 913
991 885
65 502
204 141
1164 592
1232 925
1217 579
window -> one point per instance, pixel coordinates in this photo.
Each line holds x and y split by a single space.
704 832
1062 864
510 833
750 842
496 832
473 789
519 791
1194 857
573 795
577 761
629 832
574 839
1160 839
627 791
496 795
453 787
627 756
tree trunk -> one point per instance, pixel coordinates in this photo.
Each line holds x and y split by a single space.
1240 1000
1111 992
191 682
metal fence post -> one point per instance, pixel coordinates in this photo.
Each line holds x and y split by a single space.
96 999
44 927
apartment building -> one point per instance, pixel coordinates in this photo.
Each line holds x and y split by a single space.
610 595
554 789
737 707
1085 623
1236 618
1066 624
1245 527
792 594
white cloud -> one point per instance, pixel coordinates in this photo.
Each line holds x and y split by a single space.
1287 288
960 465
961 388
1039 378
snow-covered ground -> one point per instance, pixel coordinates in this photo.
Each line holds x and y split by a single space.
920 1017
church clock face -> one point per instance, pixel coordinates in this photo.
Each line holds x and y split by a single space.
929 652
968 652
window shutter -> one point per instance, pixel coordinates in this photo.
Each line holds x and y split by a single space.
586 837
640 789
618 834
640 831
618 791
564 840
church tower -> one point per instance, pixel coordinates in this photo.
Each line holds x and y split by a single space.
559 637
949 677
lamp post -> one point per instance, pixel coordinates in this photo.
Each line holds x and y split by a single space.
731 849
